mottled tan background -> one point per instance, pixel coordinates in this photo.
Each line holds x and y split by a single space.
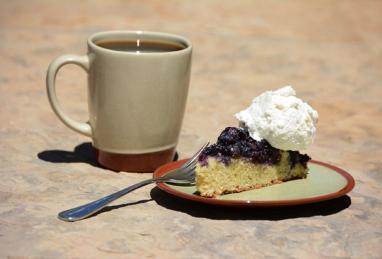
330 51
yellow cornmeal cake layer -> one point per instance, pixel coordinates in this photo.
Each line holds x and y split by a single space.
216 178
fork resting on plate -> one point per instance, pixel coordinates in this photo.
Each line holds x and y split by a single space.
182 175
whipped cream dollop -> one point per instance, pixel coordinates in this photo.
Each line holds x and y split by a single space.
285 121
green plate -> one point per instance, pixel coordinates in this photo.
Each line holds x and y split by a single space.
324 182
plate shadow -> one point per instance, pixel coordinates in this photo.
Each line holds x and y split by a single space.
202 210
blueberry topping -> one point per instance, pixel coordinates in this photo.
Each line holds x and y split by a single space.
295 157
236 142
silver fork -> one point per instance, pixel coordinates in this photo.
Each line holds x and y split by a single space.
182 175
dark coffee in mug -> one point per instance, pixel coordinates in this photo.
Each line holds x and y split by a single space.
140 46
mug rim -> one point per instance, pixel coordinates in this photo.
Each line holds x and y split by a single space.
172 37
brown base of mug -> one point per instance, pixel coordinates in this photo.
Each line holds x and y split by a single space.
142 163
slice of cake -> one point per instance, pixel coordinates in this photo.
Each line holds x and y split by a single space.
238 163
264 150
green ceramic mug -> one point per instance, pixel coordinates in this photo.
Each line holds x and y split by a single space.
137 90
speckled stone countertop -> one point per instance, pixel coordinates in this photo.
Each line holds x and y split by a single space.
330 51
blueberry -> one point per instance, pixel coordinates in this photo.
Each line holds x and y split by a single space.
231 135
223 150
211 150
202 157
235 150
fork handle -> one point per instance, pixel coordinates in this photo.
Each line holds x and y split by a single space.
88 209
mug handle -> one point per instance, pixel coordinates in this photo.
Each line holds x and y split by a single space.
54 67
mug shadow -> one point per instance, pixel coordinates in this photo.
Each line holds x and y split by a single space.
202 210
82 153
